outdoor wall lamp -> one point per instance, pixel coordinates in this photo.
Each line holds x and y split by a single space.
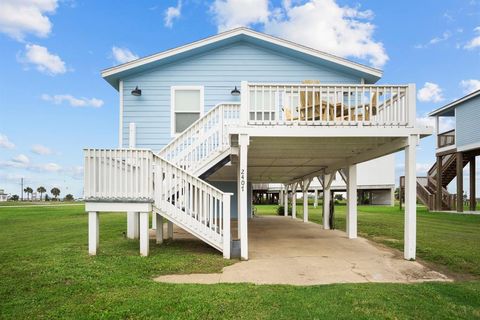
136 92
235 92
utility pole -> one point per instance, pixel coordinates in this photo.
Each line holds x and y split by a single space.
22 188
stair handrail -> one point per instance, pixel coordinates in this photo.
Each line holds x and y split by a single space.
192 203
207 135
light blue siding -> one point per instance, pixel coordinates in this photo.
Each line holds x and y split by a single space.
467 126
218 71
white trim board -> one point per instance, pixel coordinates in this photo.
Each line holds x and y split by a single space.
454 103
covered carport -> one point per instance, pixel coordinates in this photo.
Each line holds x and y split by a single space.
294 155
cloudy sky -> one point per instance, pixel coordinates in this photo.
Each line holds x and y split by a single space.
53 102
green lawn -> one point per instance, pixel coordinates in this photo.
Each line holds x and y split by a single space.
45 272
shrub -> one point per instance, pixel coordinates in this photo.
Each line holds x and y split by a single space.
280 210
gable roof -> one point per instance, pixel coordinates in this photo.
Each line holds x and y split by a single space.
448 110
114 74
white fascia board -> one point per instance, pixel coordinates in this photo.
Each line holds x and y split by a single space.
453 104
243 31
330 131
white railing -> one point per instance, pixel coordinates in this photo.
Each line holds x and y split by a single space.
328 104
114 174
205 139
124 175
192 204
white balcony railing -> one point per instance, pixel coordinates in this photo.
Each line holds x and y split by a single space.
118 174
322 104
204 139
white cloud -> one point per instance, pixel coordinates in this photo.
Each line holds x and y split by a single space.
475 42
444 37
21 159
18 18
41 149
43 60
470 85
5 142
123 55
48 167
73 101
231 14
422 168
431 92
321 24
172 13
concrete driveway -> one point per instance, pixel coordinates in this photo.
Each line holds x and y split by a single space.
286 251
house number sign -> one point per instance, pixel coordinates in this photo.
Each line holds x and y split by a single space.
242 180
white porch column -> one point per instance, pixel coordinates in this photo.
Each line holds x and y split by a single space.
410 235
226 226
132 225
315 199
352 201
132 217
280 198
285 201
93 232
243 142
326 200
159 227
144 239
154 221
305 186
170 230
294 200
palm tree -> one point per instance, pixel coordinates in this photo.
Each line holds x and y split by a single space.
28 190
41 190
56 192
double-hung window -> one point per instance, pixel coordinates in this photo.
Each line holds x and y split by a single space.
187 106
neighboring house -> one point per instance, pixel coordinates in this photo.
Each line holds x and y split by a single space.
200 123
3 195
375 184
455 149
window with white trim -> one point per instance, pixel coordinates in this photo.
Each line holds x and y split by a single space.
187 106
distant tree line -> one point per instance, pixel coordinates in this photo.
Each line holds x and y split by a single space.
43 194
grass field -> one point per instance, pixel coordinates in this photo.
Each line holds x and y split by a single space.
45 272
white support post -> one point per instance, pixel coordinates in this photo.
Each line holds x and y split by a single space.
159 230
327 182
132 217
410 229
93 232
243 142
285 202
352 201
226 225
244 103
132 135
294 200
132 225
315 199
305 186
144 238
154 221
280 198
170 230
412 99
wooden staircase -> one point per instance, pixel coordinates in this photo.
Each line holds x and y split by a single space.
427 186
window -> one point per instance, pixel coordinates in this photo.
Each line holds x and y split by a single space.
187 106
